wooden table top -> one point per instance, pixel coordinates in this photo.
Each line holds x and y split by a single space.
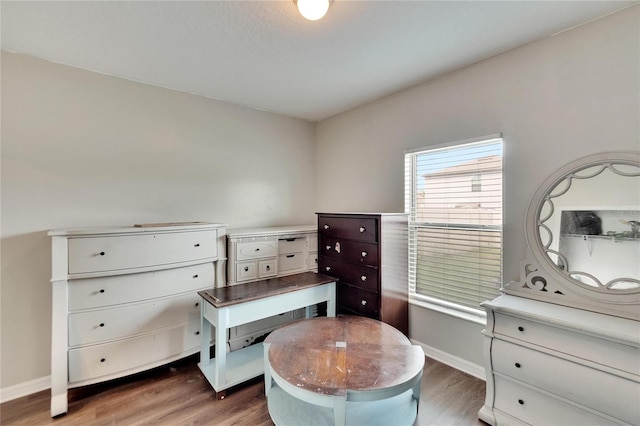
240 293
334 355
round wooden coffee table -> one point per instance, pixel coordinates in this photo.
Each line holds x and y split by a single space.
342 370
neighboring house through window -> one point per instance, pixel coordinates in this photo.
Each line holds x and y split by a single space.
453 195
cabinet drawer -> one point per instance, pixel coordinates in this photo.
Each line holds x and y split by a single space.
111 253
288 263
130 355
106 291
361 302
360 276
312 261
352 228
349 251
292 245
613 395
617 355
256 249
538 408
246 271
267 268
101 325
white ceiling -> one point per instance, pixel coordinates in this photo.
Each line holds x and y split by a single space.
263 54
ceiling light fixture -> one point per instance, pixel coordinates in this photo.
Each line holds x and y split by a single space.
313 9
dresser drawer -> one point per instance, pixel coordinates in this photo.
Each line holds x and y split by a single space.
289 263
613 395
256 249
102 325
358 301
352 228
112 253
131 355
106 291
539 408
292 245
360 276
350 251
617 355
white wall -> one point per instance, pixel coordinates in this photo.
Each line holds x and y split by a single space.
554 100
85 149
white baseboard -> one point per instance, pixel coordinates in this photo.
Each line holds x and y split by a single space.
463 365
24 389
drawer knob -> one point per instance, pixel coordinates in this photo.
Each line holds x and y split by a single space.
326 226
521 328
246 268
363 278
101 324
103 359
197 304
102 290
258 249
517 364
364 303
328 247
102 253
196 245
289 256
521 401
268 267
327 268
364 254
362 229
197 333
195 276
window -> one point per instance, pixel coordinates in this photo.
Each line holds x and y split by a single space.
455 224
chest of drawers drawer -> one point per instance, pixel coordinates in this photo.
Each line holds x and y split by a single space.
355 228
358 301
575 382
363 277
528 406
122 252
102 325
113 290
256 249
617 355
350 251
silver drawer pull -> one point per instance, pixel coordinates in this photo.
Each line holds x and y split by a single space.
364 254
328 247
328 268
326 227
363 278
362 229
364 303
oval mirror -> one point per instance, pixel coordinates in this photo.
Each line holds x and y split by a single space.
587 222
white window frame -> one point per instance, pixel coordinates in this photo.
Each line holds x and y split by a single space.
449 308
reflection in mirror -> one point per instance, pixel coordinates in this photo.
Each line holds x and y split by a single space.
589 225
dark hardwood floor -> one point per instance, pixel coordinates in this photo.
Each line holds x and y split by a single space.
178 394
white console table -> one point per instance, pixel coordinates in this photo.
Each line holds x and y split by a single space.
230 306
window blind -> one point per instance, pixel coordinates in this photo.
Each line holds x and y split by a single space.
453 196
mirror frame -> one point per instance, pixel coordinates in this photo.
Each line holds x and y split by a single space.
541 279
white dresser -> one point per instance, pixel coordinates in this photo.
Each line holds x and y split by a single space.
562 344
125 299
261 253
554 365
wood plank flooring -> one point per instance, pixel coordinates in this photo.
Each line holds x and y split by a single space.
178 394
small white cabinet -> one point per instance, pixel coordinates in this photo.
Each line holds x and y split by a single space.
125 299
262 253
552 364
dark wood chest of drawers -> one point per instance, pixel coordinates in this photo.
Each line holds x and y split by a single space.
368 255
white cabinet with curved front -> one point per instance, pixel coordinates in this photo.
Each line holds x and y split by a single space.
126 299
